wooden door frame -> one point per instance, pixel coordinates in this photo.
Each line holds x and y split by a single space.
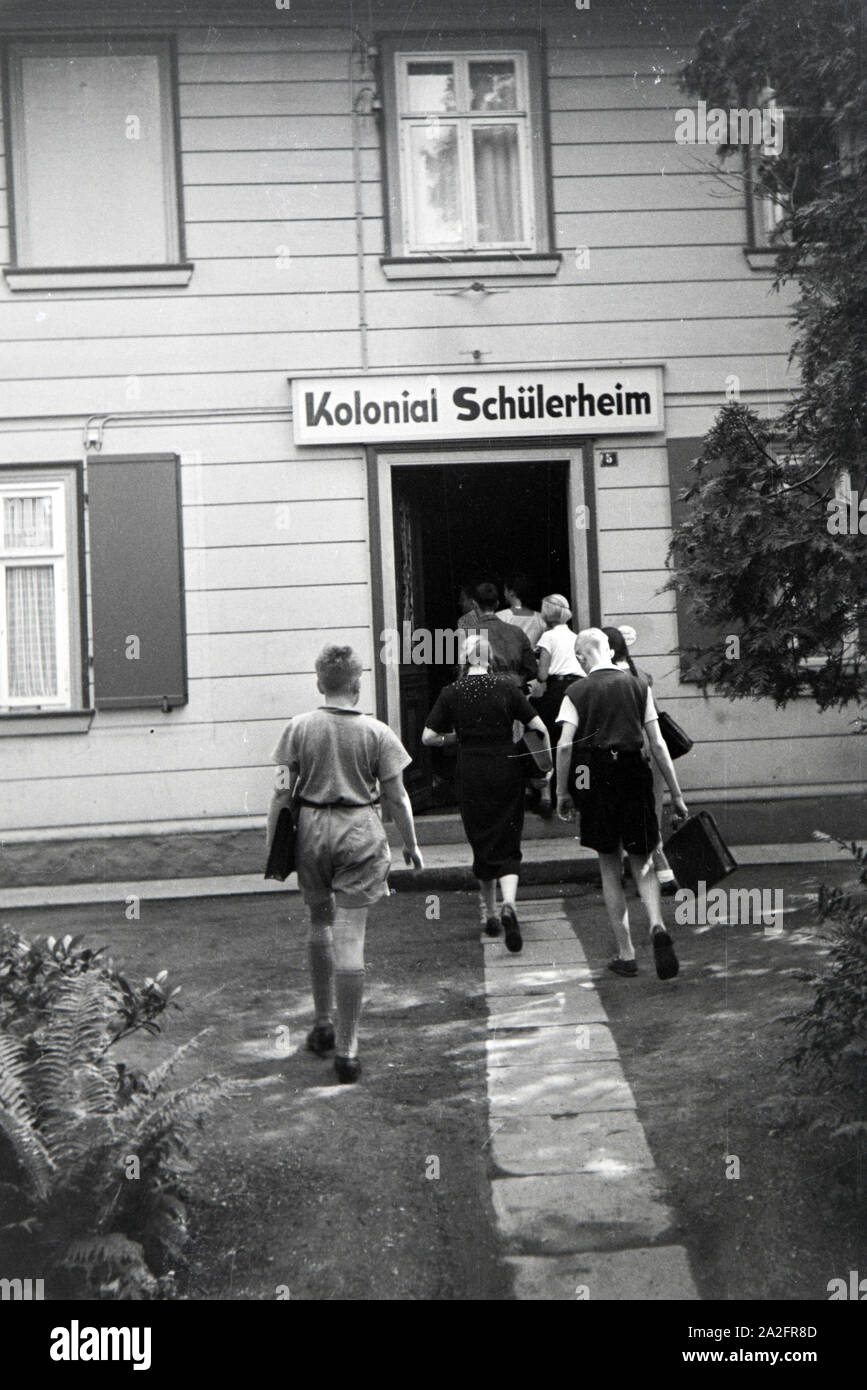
576 453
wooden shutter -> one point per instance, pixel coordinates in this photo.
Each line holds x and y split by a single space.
137 585
690 632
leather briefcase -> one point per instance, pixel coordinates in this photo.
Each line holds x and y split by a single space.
697 853
676 739
281 853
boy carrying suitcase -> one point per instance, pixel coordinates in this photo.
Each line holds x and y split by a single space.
605 715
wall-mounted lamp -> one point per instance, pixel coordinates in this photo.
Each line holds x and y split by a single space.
93 436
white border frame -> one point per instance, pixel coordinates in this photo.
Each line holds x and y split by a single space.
155 48
58 556
571 452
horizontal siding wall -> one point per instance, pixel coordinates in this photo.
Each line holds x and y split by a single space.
267 164
276 565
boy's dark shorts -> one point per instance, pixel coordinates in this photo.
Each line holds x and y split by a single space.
617 807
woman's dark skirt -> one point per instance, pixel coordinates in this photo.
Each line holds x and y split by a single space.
491 799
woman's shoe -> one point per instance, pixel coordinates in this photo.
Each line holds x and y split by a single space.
623 967
546 808
492 926
514 940
320 1039
348 1069
667 964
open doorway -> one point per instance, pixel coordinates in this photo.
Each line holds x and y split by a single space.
456 524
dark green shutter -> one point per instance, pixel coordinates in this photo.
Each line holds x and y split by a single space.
136 575
690 633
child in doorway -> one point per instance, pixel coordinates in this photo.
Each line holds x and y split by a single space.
336 761
558 668
607 715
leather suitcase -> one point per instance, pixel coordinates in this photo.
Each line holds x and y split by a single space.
697 853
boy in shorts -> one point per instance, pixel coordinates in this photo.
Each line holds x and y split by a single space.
335 762
605 714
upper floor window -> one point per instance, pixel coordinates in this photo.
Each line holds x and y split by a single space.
91 148
466 150
792 177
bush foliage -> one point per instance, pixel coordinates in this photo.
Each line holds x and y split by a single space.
755 556
94 1157
832 1029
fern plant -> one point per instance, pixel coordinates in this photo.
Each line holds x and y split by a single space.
93 1169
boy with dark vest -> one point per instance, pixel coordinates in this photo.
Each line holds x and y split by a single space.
604 714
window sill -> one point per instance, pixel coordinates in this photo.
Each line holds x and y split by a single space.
761 257
99 277
460 265
54 721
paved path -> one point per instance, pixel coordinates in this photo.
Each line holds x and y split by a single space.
578 1199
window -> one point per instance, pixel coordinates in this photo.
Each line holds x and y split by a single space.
466 151
40 600
91 147
810 147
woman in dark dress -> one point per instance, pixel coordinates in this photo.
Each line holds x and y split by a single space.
478 712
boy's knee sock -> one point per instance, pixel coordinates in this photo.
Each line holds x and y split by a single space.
320 953
321 956
350 996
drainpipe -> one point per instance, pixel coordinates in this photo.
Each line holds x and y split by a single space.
363 103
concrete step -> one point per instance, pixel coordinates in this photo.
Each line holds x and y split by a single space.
445 828
446 867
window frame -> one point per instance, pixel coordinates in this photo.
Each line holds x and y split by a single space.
72 660
176 268
534 144
764 213
844 490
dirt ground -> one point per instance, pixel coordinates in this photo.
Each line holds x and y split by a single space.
311 1190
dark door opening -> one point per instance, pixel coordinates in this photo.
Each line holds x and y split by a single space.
459 524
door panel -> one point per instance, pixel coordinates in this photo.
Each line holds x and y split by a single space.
414 683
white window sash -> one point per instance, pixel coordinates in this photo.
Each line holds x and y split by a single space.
527 221
54 556
465 120
412 212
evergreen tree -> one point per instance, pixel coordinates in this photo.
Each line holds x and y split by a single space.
772 549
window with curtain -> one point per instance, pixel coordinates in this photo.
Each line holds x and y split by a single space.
465 150
40 621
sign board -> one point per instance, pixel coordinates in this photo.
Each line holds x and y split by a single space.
477 405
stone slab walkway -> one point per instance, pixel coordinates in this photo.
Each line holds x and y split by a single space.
578 1199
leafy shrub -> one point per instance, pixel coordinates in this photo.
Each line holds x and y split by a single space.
94 1157
32 971
833 1027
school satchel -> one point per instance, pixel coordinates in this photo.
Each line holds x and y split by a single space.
281 854
676 740
698 854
